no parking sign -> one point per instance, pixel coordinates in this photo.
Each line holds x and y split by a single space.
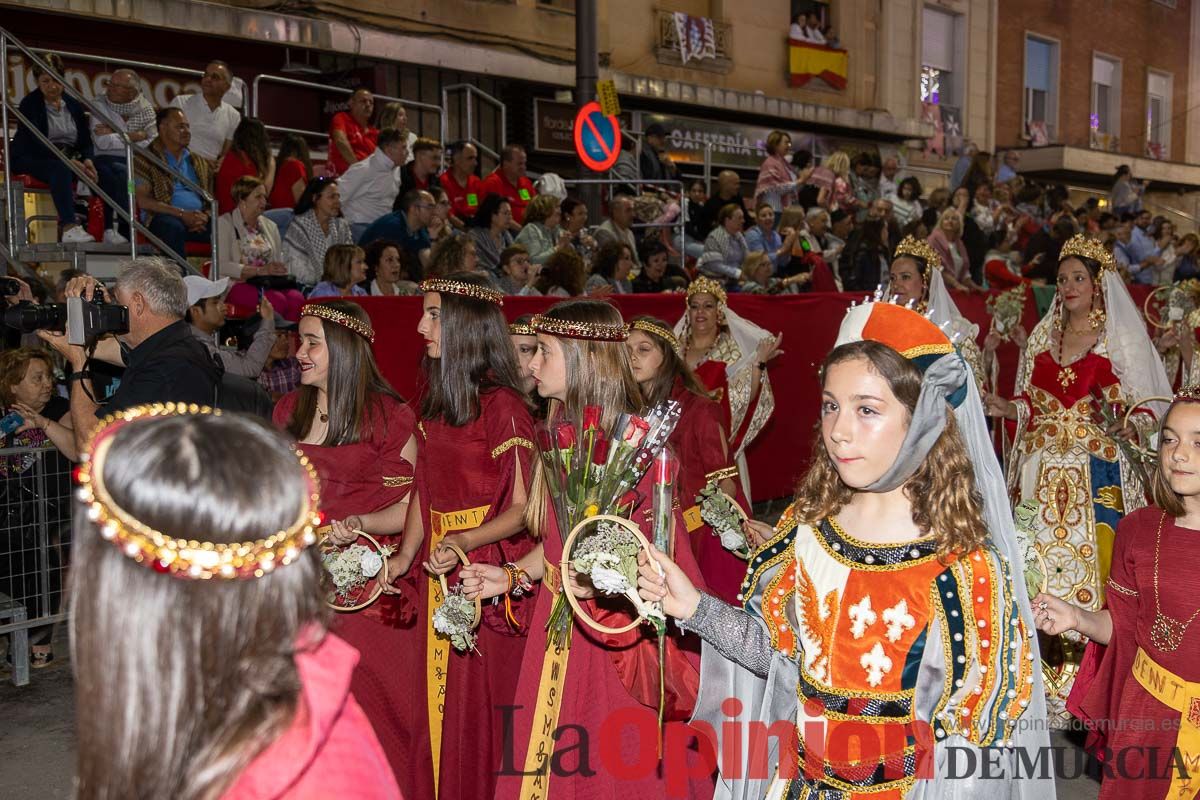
597 138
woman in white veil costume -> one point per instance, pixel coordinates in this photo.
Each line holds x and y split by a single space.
931 636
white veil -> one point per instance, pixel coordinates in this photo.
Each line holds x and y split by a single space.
944 313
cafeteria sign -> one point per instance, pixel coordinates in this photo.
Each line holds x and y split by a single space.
732 145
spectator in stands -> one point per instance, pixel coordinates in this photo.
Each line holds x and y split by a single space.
656 163
865 259
725 248
764 238
757 277
369 187
250 154
832 180
1008 166
27 387
394 115
345 269
696 228
439 221
386 274
282 372
250 248
888 186
489 230
518 275
124 105
351 137
1126 195
618 227
453 254
62 120
575 217
178 214
864 182
421 171
509 181
463 187
562 275
906 201
611 268
962 164
947 241
728 191
653 277
542 234
318 225
777 184
978 171
409 227
1187 252
293 171
206 314
212 120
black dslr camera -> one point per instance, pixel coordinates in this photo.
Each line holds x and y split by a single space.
84 321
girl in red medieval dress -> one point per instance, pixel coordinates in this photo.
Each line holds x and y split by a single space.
566 695
1139 683
357 433
475 442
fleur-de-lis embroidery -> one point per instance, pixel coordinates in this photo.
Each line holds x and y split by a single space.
876 663
861 617
898 620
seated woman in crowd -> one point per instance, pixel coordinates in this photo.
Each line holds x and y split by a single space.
763 238
906 202
517 275
757 277
655 276
254 607
318 225
293 168
574 222
488 229
947 242
249 155
542 234
562 275
250 248
62 120
453 254
614 262
725 248
345 269
385 270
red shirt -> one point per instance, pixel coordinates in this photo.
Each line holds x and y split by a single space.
362 141
518 196
235 165
286 175
464 200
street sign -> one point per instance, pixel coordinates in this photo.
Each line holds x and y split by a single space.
597 138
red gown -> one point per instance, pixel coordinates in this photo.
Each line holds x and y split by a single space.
466 477
359 479
699 442
608 703
1139 730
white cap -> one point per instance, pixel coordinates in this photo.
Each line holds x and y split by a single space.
199 288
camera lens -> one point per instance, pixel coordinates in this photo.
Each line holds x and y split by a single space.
28 317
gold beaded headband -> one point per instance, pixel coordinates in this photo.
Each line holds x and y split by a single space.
521 329
443 286
1188 394
706 285
340 318
1084 247
662 332
185 558
595 331
918 248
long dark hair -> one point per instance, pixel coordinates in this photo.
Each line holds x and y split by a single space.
487 211
308 198
563 269
605 262
180 683
673 369
477 356
250 139
294 146
353 387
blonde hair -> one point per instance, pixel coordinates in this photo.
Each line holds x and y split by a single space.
951 213
752 260
945 501
338 264
839 164
541 208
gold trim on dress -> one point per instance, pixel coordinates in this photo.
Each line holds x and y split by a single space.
721 474
515 441
392 481
1116 587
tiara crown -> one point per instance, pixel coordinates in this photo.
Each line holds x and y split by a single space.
355 324
706 285
569 329
661 331
473 290
1084 247
919 248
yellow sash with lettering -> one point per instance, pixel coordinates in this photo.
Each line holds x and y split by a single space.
545 712
437 647
692 519
1183 696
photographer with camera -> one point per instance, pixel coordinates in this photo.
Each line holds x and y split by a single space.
163 360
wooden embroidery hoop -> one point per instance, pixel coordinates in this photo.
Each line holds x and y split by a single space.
466 562
565 567
380 578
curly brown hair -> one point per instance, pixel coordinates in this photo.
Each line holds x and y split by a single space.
945 501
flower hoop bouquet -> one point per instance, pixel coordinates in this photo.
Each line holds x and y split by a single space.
1006 309
592 473
726 518
357 571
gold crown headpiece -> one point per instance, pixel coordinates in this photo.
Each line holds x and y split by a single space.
521 329
355 324
568 329
1189 393
1085 247
661 331
185 558
443 286
919 248
706 285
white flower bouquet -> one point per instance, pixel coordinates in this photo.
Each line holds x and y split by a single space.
455 619
609 557
721 513
357 572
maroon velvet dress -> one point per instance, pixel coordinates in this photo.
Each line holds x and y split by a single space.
607 700
699 442
362 478
1139 730
466 476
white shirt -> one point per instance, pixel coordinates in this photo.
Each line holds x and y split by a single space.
210 128
110 144
369 187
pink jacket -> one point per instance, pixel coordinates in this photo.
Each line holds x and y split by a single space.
330 750
938 241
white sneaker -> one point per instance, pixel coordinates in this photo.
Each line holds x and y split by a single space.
77 235
112 236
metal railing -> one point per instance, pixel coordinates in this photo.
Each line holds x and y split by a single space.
472 92
129 211
680 222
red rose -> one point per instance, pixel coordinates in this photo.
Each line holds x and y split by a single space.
591 418
600 451
636 431
628 500
665 468
564 434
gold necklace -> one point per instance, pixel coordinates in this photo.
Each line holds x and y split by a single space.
1167 632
